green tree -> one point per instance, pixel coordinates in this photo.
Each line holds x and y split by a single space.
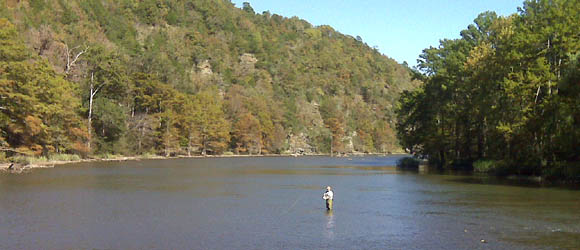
210 123
248 8
503 92
37 106
106 73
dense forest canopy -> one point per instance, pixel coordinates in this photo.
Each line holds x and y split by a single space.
187 77
504 97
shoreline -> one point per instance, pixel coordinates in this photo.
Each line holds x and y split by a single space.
17 168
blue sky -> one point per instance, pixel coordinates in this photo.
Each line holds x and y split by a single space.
401 29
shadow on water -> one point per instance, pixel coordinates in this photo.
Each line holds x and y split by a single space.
469 177
337 170
527 182
486 180
547 240
375 168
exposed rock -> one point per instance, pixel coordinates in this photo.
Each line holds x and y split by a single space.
15 168
298 144
12 3
248 63
204 68
349 144
309 112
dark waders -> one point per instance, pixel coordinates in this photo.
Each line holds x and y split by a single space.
329 204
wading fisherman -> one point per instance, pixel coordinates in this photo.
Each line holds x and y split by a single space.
328 196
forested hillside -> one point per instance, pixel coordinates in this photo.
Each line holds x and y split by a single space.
186 77
505 97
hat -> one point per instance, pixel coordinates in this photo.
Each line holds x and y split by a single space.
328 188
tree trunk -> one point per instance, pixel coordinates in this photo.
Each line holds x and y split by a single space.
331 141
93 91
189 145
167 140
90 118
441 158
203 145
480 140
260 147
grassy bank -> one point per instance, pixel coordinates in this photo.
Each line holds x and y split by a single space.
21 163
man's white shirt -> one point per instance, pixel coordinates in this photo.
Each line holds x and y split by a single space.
328 195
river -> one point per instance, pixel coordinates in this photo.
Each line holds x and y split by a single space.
275 203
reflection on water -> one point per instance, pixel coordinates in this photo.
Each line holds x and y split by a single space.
532 182
329 228
274 203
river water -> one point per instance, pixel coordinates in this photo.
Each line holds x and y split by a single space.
275 203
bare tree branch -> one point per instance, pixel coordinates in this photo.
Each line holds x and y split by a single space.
71 57
537 94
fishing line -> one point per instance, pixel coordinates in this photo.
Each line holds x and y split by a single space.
292 206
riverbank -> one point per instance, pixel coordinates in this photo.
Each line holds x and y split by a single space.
24 167
17 168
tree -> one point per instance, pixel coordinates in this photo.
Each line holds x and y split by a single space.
37 106
210 123
107 73
501 92
109 122
334 121
248 134
248 8
336 128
